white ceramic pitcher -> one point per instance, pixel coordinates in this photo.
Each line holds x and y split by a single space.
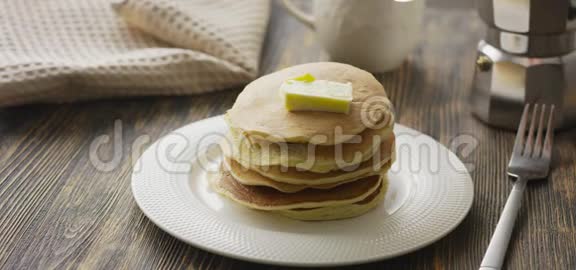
376 35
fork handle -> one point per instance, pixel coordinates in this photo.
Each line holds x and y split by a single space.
494 257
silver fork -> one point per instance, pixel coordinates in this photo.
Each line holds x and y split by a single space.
530 160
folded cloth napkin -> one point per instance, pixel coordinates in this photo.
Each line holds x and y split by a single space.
68 50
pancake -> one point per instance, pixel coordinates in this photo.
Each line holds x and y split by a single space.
291 175
258 153
266 198
252 178
259 109
342 211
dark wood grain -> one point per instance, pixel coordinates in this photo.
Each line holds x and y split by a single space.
57 210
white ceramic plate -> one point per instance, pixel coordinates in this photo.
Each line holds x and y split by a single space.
430 193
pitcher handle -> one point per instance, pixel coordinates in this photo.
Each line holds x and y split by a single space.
306 19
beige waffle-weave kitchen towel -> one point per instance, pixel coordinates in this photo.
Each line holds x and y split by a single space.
68 50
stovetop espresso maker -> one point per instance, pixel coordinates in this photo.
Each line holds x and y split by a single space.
528 55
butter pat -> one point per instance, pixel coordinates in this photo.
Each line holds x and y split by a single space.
307 94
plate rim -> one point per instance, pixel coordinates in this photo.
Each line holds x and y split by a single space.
270 261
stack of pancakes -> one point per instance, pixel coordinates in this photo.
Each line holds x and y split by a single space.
308 165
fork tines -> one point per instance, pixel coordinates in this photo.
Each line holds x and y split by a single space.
532 146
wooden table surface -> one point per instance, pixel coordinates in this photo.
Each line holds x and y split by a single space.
60 210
